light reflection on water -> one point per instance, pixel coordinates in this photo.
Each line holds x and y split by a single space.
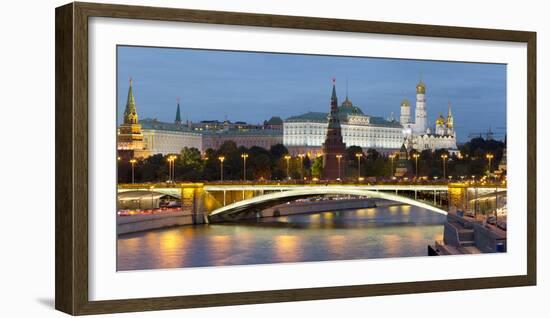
396 231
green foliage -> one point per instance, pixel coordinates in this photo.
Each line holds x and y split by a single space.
190 165
317 167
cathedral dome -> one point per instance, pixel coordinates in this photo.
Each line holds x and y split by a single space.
405 103
347 103
440 120
421 88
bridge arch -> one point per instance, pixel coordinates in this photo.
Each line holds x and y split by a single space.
271 199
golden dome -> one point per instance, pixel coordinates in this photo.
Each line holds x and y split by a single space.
421 88
405 102
440 120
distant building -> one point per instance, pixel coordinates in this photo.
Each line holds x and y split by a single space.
421 137
274 123
226 125
305 133
143 138
264 138
167 138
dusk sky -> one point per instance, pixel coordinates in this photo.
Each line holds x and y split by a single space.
252 87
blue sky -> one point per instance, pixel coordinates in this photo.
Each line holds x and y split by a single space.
252 87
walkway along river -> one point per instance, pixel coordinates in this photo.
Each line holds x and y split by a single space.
393 231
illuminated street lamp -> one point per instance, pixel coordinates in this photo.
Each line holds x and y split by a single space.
244 156
489 157
287 158
169 160
174 168
392 156
339 158
152 197
171 174
416 156
133 162
359 155
221 159
301 156
444 157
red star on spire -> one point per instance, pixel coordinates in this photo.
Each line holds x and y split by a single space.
333 80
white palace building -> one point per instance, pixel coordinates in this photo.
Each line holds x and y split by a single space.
306 133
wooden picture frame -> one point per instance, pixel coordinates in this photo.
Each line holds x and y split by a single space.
72 280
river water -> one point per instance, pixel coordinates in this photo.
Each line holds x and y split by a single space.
394 231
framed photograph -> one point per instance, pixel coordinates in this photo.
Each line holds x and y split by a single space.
211 158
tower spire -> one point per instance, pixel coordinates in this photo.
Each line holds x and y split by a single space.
130 112
333 145
178 114
334 98
450 120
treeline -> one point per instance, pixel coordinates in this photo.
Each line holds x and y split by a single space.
276 164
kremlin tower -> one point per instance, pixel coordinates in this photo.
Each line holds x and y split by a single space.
130 137
333 145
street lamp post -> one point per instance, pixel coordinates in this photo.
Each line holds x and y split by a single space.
416 156
169 160
392 156
174 168
301 156
287 158
152 197
133 162
339 158
444 157
221 158
358 156
489 157
244 156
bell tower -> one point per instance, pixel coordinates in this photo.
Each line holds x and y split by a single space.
421 123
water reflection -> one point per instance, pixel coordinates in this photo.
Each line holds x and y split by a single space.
395 231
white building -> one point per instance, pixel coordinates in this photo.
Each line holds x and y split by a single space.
418 135
306 133
167 138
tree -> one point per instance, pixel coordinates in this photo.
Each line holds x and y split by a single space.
189 165
317 167
152 168
261 166
351 161
232 165
278 151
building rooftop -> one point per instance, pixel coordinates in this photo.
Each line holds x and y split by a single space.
275 120
243 132
343 113
310 116
153 123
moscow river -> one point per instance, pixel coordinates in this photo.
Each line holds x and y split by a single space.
393 231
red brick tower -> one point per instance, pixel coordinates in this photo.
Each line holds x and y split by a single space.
333 145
